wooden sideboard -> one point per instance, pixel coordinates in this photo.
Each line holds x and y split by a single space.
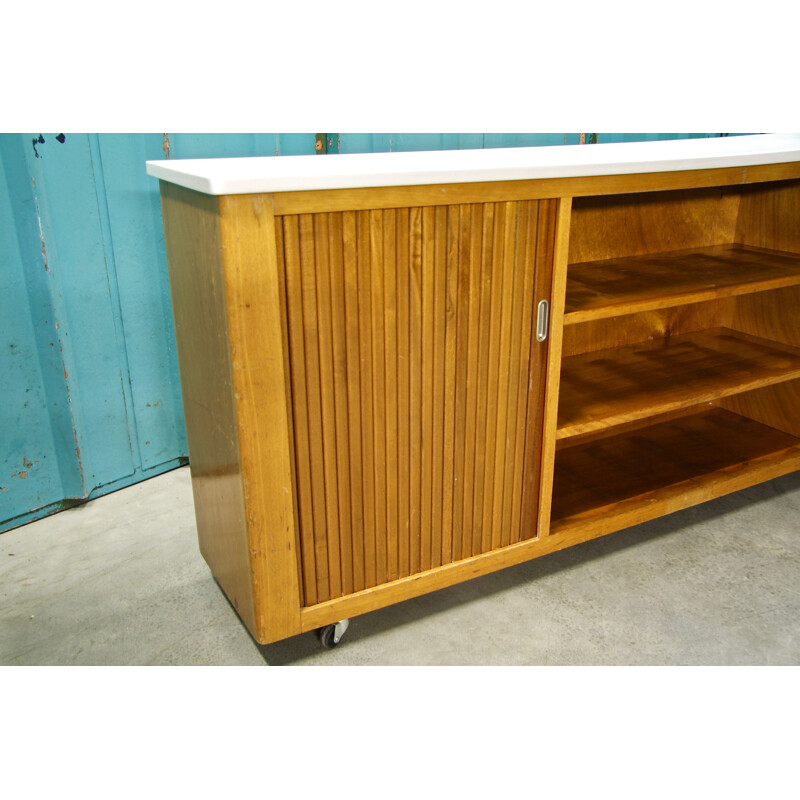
402 371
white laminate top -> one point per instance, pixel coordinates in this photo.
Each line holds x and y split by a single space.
219 176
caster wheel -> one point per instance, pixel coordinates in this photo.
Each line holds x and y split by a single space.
326 636
331 635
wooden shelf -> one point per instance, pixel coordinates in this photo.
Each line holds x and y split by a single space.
610 483
600 289
618 385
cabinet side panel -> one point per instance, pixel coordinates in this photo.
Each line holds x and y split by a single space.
201 331
771 315
256 309
769 216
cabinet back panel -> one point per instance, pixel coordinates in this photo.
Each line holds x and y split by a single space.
410 351
616 226
586 337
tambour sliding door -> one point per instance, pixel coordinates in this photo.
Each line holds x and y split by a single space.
417 385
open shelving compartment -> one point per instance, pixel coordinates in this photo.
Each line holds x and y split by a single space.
680 372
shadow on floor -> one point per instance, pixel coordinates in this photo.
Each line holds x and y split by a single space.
298 648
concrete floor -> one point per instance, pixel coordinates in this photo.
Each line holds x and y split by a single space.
121 581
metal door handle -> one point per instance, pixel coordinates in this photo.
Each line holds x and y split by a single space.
542 317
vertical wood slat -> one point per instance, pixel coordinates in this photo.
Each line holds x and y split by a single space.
475 249
339 350
377 270
518 365
496 329
484 340
524 378
281 270
294 295
410 353
439 314
506 355
404 463
428 354
366 387
316 228
391 395
352 340
551 248
465 339
450 473
308 291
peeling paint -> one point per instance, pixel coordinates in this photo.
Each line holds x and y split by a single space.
70 502
77 447
23 474
41 234
166 144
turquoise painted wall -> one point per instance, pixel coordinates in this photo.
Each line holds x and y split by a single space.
89 392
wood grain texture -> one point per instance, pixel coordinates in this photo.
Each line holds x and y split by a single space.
337 285
505 191
404 477
537 487
413 329
634 425
319 278
775 406
375 224
368 412
644 473
301 291
365 389
391 395
600 289
661 323
255 307
621 226
288 249
608 387
472 237
774 316
731 472
769 216
194 258
351 396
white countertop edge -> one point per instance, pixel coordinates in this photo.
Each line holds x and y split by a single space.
221 176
